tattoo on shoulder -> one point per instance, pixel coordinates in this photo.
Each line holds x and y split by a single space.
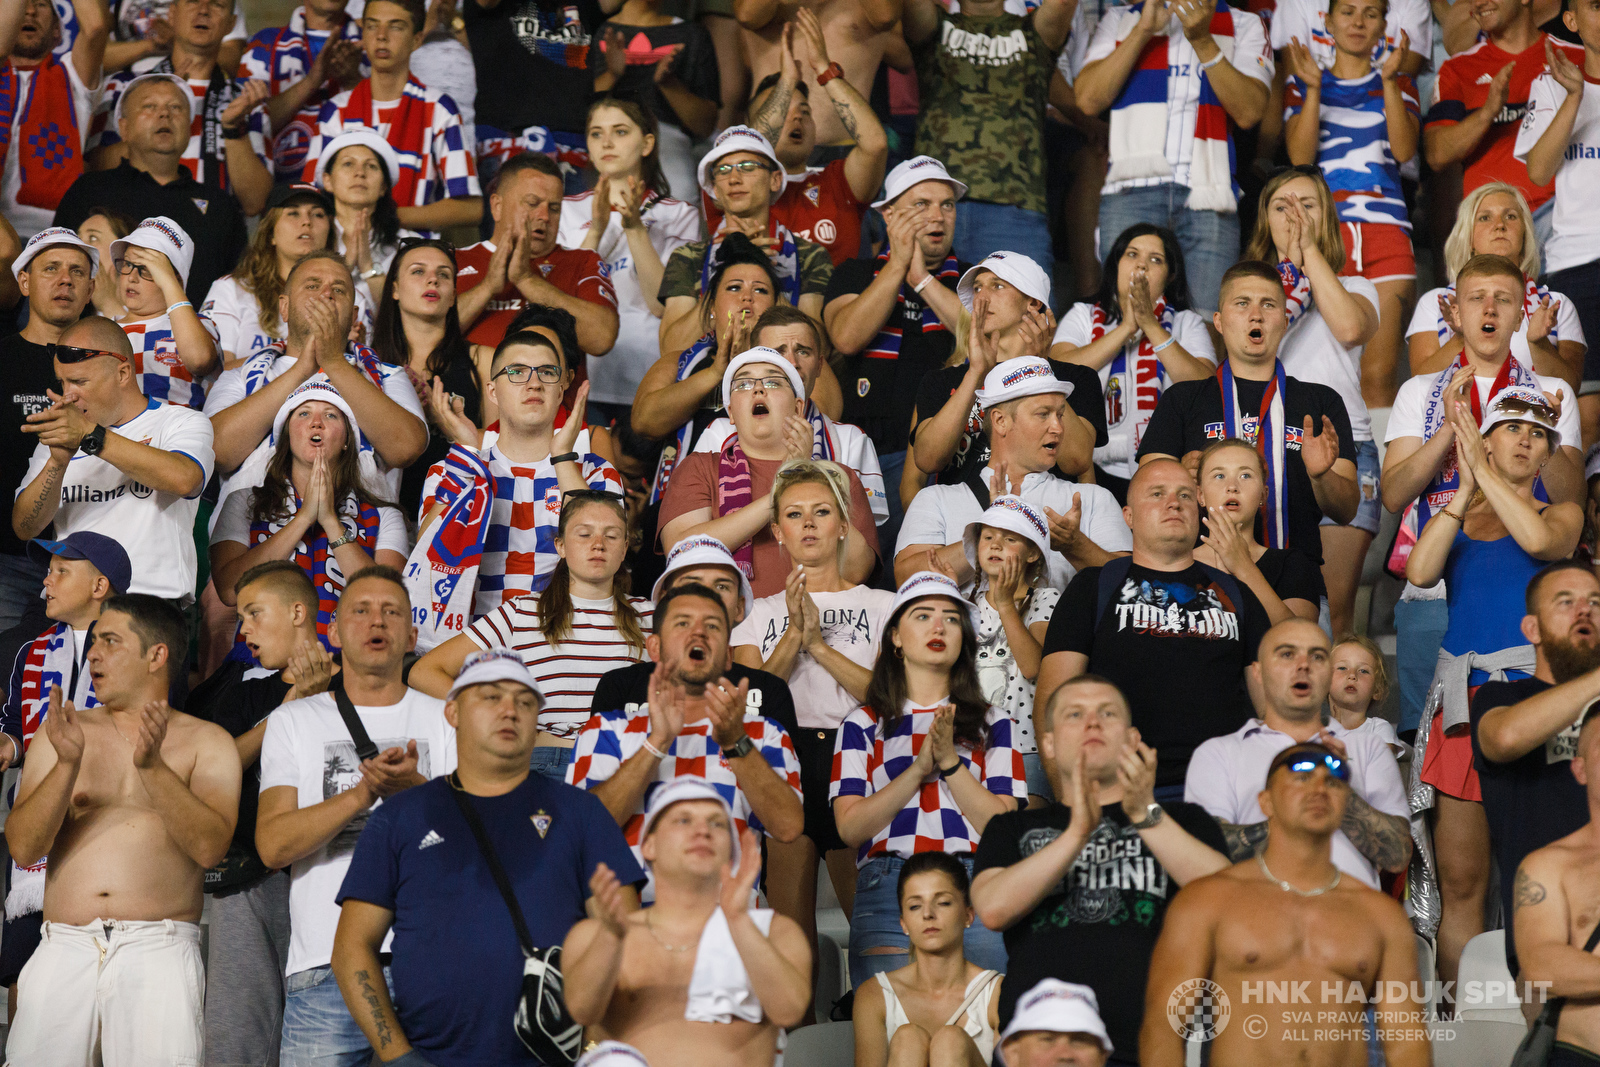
1526 892
1244 839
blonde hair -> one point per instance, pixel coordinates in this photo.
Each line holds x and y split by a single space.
1380 673
1329 243
963 327
257 272
1458 246
823 472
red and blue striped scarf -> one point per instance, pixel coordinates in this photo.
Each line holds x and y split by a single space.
1267 430
1146 380
313 557
887 344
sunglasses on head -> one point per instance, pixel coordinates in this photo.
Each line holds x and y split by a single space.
1515 405
1306 762
71 354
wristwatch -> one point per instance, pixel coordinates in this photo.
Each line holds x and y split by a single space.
341 542
744 747
1152 817
93 441
833 71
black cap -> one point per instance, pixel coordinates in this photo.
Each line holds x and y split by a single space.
296 191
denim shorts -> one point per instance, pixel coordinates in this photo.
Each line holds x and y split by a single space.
1039 783
875 923
1369 510
551 761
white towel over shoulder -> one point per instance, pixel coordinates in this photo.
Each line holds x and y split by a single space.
719 990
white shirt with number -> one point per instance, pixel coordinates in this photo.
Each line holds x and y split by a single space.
1576 239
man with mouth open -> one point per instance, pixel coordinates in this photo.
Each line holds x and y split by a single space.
696 723
319 782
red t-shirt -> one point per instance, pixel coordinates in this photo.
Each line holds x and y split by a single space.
821 208
1463 87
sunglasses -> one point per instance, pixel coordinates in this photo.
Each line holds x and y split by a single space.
71 354
744 166
1306 762
1515 405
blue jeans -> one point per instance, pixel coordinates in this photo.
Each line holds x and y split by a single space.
317 1028
551 761
1039 783
1544 224
1209 239
982 227
1419 631
875 923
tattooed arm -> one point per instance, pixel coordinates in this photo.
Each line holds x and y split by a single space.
362 927
39 500
1385 840
1548 948
1244 839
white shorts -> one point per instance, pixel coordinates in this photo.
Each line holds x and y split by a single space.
122 994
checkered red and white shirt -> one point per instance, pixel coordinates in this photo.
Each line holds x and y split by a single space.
864 763
434 166
162 375
610 739
280 56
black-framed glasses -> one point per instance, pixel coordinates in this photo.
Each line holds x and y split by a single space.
745 385
73 354
744 166
125 267
520 373
1306 762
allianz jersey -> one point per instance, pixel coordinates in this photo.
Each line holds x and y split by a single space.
818 206
160 369
435 163
1576 240
280 56
156 529
1353 145
1308 21
578 272
206 167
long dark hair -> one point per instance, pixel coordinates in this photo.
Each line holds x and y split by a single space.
555 602
736 250
269 502
650 172
385 214
887 692
389 332
1176 291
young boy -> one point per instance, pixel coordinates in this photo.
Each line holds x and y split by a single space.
1359 122
437 186
173 354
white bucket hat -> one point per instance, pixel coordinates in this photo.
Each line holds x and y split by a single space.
160 234
762 354
1525 405
1020 377
315 388
1058 1007
1009 513
1012 267
689 787
731 140
930 583
914 172
50 238
702 550
494 665
366 138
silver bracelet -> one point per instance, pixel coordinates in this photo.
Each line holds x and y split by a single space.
1171 340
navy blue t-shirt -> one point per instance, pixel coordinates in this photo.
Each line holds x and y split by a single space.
457 967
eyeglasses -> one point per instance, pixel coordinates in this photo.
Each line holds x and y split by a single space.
71 354
125 267
1306 762
747 166
519 373
744 385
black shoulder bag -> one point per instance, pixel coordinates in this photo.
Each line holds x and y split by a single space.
365 749
1541 1040
543 1024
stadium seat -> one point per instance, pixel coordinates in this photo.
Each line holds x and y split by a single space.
1476 1042
823 1045
1427 971
1484 986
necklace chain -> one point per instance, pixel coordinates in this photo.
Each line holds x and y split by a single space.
1288 887
652 928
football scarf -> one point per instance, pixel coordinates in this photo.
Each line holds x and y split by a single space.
1145 382
1266 431
442 573
887 344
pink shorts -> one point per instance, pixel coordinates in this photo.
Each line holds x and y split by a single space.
1447 766
1377 251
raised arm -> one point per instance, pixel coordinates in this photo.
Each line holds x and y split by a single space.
89 49
1053 20
238 428
397 435
865 165
591 956
199 815
1447 143
777 962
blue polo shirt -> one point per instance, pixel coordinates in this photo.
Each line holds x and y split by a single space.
457 967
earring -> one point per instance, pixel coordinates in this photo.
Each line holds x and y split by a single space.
899 653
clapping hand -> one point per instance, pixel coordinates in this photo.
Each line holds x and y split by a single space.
615 49
737 885
153 719
449 413
392 770
309 670
942 736
1136 772
1470 447
1304 65
607 901
1037 331
1196 15
666 701
1232 550
566 438
1086 812
1567 74
252 94
1319 453
725 703
1064 528
798 436
62 728
1395 59
1543 319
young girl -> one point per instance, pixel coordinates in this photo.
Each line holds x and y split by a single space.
1360 683
1232 482
173 355
940 995
924 774
581 625
1007 548
631 223
821 636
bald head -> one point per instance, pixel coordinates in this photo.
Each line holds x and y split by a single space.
1295 666
1158 472
96 331
1163 511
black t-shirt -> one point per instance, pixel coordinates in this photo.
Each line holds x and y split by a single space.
213 219
528 43
881 390
631 685
973 451
1182 621
1291 575
29 372
695 66
238 704
1189 417
1531 801
1108 908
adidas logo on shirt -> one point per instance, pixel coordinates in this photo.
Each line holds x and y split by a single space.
468 269
1484 79
429 840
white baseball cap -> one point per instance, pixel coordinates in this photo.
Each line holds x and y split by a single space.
930 583
127 91
494 665
1525 405
613 1054
1020 377
320 388
689 787
762 354
366 138
731 140
915 172
1013 267
1009 513
703 550
160 234
50 238
1058 1007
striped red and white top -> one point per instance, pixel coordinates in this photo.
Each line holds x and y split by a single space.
567 672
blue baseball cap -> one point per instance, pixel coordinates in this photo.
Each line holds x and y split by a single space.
109 557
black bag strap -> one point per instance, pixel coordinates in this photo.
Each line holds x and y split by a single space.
485 846
974 482
365 749
1552 1009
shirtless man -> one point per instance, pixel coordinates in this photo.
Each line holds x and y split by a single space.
628 972
1287 916
1557 894
133 802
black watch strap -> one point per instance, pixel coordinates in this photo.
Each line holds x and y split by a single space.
943 773
565 457
93 441
743 747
